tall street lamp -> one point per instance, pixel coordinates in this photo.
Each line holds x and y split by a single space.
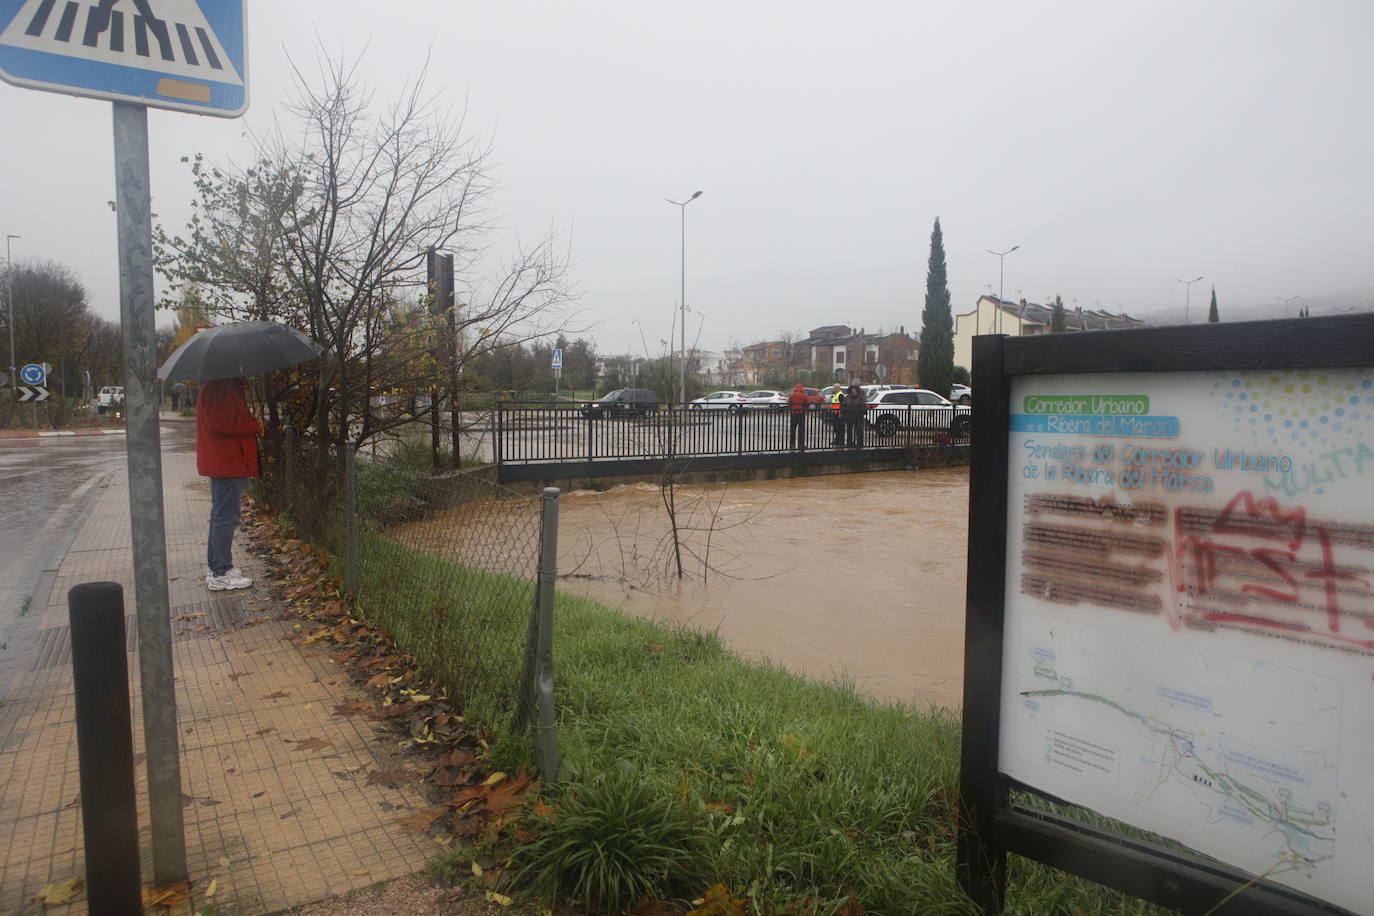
1001 258
682 208
1287 301
1187 294
9 298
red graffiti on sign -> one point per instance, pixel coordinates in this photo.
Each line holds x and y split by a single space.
1232 580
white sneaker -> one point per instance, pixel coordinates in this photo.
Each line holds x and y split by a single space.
230 580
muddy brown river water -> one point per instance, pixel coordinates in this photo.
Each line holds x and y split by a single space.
856 576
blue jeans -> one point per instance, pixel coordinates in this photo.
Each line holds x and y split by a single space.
226 498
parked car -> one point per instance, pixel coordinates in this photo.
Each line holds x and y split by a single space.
783 398
623 402
961 394
764 398
719 400
110 397
918 409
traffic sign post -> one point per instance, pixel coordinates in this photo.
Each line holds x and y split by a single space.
33 374
557 369
33 393
184 55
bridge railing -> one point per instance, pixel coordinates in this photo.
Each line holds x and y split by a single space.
526 432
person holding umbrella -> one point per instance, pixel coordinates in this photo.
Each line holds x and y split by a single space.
226 452
226 431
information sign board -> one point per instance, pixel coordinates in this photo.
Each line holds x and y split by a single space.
1183 639
557 358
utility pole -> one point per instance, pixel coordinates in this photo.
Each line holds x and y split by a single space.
9 299
682 303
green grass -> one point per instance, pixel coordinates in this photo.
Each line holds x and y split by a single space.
685 765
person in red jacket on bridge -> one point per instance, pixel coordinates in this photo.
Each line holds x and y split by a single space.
797 404
227 453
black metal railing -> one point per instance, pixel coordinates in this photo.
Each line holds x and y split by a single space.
530 432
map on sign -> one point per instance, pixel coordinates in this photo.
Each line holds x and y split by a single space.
179 54
1190 612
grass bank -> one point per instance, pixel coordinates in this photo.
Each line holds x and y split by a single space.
686 766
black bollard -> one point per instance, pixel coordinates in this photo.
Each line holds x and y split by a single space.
105 748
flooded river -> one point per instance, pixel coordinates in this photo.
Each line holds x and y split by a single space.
859 576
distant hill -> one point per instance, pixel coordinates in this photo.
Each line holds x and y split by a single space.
1330 304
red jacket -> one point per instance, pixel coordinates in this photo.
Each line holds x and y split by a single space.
796 401
226 433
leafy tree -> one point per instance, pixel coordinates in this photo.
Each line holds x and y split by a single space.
1057 324
935 362
1212 314
53 323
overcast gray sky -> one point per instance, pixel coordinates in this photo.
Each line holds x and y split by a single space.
1120 144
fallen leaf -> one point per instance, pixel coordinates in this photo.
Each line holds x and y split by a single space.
169 896
494 778
189 616
379 680
724 807
457 758
60 892
499 899
350 708
476 870
543 809
717 902
420 823
387 777
214 885
277 696
313 744
235 675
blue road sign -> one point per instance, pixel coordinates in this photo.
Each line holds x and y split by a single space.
187 55
33 374
557 358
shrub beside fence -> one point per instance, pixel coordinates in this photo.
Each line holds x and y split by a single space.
449 565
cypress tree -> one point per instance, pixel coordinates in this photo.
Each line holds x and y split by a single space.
1212 312
935 362
1057 319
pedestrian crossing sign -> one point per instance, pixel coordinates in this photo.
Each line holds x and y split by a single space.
187 55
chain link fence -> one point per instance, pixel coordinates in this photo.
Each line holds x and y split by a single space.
447 563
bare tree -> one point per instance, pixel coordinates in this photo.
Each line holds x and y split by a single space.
329 229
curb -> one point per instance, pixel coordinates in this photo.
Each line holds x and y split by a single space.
69 433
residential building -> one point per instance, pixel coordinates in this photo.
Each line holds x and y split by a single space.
838 349
1018 319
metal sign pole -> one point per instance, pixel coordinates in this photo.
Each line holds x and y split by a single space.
142 441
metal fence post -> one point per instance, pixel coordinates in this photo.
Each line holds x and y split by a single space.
351 501
105 747
288 460
536 687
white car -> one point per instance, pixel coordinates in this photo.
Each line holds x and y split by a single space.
961 394
111 396
763 397
916 409
719 400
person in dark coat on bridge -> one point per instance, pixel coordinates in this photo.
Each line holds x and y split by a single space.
796 405
852 413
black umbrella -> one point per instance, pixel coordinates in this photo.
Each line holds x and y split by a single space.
239 350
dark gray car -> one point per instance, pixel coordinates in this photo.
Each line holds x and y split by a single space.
623 402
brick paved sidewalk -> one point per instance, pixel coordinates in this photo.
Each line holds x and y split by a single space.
272 825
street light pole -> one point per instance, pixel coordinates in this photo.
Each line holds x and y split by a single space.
1001 258
1187 294
9 299
682 303
1287 301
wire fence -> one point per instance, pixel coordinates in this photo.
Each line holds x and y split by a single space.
449 564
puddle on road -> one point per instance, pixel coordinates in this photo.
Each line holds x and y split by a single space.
858 576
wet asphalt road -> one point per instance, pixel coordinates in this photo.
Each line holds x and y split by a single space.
46 487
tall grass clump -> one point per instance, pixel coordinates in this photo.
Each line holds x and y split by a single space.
618 837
